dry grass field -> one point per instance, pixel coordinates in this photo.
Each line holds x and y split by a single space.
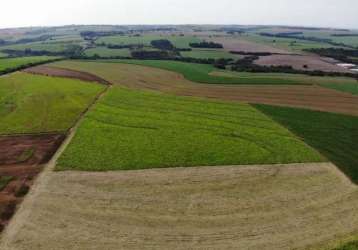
248 207
141 77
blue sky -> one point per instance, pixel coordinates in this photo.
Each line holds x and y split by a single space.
327 13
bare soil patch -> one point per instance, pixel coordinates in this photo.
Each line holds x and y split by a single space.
241 207
20 159
299 61
60 72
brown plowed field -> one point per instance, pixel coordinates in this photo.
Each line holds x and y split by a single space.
278 207
21 158
59 72
301 96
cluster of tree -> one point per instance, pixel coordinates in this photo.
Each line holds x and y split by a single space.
207 45
152 54
244 53
128 46
10 70
344 55
162 44
90 35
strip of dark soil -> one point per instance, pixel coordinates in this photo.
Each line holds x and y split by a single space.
67 73
21 160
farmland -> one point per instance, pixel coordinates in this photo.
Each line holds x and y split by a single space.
347 87
155 130
55 102
177 146
312 97
335 136
105 52
188 208
206 53
177 41
11 63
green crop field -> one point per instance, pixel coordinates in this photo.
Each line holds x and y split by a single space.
32 104
208 53
334 135
347 87
105 52
10 63
178 41
130 129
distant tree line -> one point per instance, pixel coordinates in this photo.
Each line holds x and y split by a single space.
247 65
207 45
90 35
25 40
71 51
344 35
343 55
244 53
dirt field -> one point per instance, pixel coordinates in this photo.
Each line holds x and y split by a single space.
311 97
298 62
240 44
247 207
52 71
21 158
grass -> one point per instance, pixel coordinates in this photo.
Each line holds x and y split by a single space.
4 180
334 135
131 129
347 87
349 246
178 41
33 104
208 54
105 52
10 63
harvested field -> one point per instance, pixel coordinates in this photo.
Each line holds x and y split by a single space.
59 72
298 62
139 77
293 206
20 162
240 44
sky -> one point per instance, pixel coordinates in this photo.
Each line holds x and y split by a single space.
322 13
